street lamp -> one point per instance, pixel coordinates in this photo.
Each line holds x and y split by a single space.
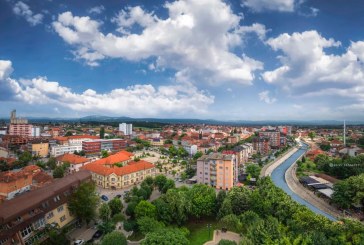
208 227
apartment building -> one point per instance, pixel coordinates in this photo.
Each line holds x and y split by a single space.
58 150
261 145
24 130
78 139
23 219
218 170
96 146
156 142
39 148
243 152
273 136
126 128
119 171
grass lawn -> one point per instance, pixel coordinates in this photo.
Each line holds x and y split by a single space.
199 231
136 236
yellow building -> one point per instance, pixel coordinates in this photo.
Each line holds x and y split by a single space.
60 215
115 177
40 149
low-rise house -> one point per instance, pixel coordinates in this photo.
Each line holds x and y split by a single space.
76 162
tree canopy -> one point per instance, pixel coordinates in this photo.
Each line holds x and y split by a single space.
83 202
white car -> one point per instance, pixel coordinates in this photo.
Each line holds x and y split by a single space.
79 242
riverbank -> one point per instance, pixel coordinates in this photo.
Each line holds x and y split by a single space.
294 184
269 168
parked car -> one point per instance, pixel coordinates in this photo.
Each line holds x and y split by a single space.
97 234
118 196
79 242
105 198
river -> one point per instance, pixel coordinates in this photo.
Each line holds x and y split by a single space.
278 177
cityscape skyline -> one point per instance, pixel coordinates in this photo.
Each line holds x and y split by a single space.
246 60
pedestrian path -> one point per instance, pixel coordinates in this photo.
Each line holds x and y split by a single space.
218 235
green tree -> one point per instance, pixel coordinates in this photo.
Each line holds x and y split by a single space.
105 212
198 155
231 222
166 236
253 170
106 227
114 238
220 199
102 132
311 135
349 191
145 209
52 163
104 154
203 199
58 172
116 206
148 224
169 184
160 181
25 157
83 202
69 133
56 236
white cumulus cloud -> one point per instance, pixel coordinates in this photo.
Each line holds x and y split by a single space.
195 39
22 9
308 70
270 5
136 100
265 96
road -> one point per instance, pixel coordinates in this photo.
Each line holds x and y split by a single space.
278 177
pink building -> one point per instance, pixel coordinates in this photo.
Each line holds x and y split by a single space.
218 170
24 130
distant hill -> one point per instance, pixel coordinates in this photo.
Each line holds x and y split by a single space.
108 119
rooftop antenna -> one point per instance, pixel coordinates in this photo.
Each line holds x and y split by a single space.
344 134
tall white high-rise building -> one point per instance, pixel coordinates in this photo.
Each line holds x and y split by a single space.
126 128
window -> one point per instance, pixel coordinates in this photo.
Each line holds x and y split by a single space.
206 173
56 198
67 193
39 223
19 219
26 231
63 218
60 209
45 204
50 215
112 179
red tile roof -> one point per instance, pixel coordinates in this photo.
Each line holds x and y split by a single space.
72 158
132 167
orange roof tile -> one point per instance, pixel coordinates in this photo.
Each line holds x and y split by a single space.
72 158
128 169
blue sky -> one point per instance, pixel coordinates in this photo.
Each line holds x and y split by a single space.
247 59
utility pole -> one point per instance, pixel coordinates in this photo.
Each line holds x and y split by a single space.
344 134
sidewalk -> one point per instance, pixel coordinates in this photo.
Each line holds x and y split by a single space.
218 235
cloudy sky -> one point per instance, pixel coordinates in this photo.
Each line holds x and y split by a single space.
237 59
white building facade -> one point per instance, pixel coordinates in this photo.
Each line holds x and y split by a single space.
126 128
62 149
